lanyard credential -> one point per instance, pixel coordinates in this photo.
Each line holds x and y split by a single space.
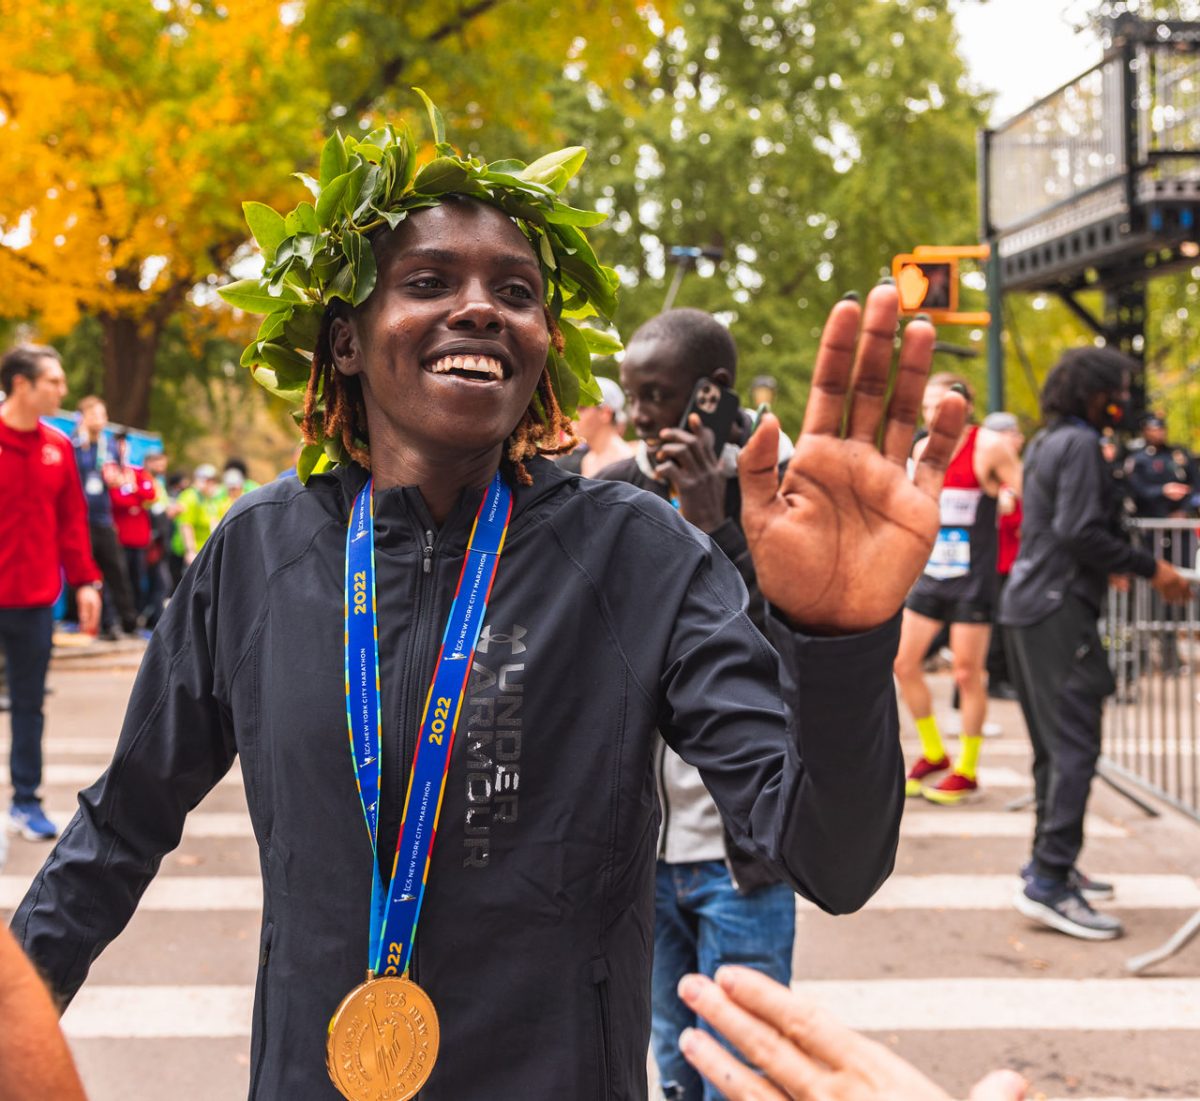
395 912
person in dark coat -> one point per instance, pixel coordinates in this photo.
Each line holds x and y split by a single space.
1072 540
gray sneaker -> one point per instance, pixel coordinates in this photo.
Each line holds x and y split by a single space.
1094 890
1065 909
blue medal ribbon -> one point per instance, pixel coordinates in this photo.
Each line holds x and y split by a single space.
396 911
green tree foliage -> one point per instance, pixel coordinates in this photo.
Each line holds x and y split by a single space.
810 140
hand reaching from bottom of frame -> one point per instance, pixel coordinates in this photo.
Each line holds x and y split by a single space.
803 1052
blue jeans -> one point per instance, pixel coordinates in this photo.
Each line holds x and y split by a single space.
25 634
700 923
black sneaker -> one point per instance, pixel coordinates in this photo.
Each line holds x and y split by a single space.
1094 890
1063 908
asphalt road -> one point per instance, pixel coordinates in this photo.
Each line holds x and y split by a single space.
939 966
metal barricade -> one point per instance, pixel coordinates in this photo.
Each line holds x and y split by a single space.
1150 735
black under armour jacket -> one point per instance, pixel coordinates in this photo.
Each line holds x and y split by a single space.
610 618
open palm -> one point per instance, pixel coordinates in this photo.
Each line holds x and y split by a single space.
838 542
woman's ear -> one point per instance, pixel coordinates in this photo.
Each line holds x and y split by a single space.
344 346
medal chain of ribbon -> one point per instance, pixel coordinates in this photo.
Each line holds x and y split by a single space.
396 911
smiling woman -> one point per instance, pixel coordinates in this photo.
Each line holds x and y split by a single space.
445 356
324 263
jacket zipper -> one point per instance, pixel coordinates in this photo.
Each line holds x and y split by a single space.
413 688
662 795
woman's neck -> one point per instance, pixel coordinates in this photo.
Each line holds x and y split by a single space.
441 477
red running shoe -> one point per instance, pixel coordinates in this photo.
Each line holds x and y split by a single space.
922 769
953 789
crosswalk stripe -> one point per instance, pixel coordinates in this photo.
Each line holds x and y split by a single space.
887 1005
69 746
920 820
995 892
200 825
175 893
927 821
892 1005
901 892
159 1012
84 775
1013 747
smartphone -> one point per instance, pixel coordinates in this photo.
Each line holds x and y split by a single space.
716 407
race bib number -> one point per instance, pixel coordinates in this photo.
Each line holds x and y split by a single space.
959 506
951 555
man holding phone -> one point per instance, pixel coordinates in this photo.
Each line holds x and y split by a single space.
678 373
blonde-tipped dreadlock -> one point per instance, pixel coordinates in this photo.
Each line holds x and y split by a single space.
543 428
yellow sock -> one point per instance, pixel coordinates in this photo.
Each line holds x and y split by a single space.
931 741
968 757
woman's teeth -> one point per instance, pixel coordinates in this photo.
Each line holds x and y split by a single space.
485 366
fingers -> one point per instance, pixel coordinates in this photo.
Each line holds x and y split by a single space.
1000 1085
944 432
831 372
784 1063
810 1028
758 465
916 355
735 1080
873 364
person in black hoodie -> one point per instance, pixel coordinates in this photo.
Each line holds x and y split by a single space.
1071 542
610 619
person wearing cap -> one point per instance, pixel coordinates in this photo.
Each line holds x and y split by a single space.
199 511
233 486
1163 479
600 427
958 588
233 463
1008 536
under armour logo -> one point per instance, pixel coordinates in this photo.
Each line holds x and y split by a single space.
513 640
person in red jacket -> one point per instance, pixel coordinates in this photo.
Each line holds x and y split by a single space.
132 492
43 531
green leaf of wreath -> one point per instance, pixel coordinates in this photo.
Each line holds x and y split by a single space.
267 225
249 295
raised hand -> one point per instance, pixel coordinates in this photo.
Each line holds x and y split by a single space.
839 541
801 1050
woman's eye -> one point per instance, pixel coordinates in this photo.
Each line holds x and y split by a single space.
517 290
426 283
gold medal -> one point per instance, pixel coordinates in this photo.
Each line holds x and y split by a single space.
383 1041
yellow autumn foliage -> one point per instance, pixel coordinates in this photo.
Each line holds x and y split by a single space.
132 131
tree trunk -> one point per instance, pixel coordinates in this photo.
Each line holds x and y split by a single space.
129 351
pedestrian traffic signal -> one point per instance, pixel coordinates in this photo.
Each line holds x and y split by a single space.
927 282
926 287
